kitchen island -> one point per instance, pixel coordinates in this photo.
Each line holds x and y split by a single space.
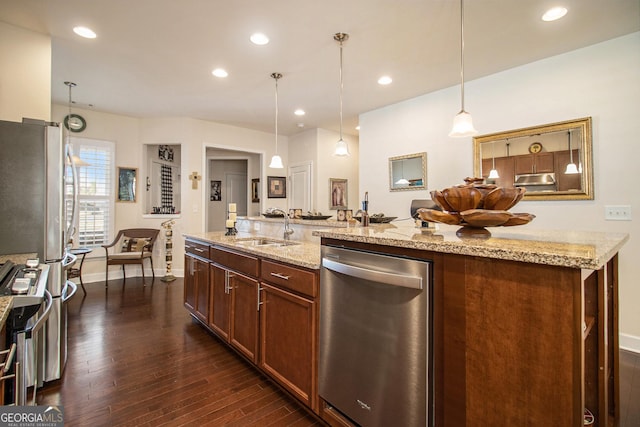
525 322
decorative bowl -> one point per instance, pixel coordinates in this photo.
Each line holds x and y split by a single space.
476 205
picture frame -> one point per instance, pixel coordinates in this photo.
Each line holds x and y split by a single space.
344 215
276 187
216 191
255 190
338 193
127 184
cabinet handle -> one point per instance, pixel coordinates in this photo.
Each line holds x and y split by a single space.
259 302
280 276
226 283
199 250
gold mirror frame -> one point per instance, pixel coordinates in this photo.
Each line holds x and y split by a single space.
412 167
524 145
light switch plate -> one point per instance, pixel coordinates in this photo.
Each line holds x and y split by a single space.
617 213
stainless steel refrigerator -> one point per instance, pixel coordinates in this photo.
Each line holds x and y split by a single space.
33 220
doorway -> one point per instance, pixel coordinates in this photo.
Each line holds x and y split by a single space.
301 187
227 180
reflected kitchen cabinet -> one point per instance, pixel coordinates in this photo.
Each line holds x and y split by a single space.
533 163
567 181
505 168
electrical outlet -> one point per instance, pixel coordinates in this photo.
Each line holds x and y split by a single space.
617 213
256 226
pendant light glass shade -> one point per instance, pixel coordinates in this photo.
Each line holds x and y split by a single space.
342 149
571 167
493 173
462 122
402 181
276 160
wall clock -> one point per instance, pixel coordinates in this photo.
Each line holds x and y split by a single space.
75 123
536 147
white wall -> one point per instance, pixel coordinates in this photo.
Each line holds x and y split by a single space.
25 74
317 146
601 81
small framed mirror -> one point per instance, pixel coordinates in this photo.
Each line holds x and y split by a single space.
408 172
552 161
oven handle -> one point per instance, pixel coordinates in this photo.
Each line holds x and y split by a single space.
43 317
66 296
394 279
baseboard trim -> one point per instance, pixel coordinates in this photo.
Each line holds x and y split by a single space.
117 274
630 343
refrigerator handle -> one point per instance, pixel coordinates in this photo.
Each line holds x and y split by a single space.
74 200
66 296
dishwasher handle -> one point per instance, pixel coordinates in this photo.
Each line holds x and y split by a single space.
394 279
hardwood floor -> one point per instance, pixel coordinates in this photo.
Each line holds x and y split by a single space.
136 358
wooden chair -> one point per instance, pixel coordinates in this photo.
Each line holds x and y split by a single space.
131 246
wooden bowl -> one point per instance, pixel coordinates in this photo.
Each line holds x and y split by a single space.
462 198
502 198
437 197
438 216
519 219
485 218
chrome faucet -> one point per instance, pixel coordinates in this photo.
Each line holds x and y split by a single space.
288 231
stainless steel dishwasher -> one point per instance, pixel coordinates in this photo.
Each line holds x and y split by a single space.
374 337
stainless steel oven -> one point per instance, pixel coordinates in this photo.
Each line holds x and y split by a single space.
375 358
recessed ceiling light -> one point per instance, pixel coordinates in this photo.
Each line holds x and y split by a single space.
554 13
385 80
219 72
299 112
85 32
259 39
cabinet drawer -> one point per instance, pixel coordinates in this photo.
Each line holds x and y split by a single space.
194 247
293 278
241 263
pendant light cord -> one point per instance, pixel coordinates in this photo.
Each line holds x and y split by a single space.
341 87
462 54
276 76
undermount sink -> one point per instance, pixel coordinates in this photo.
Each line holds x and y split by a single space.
265 242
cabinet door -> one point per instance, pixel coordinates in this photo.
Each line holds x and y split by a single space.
567 182
219 302
524 164
544 162
202 289
243 331
287 344
189 283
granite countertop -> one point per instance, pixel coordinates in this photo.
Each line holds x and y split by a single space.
576 249
303 254
6 304
17 258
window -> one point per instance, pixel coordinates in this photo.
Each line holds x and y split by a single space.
94 222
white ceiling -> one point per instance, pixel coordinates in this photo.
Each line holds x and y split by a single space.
153 58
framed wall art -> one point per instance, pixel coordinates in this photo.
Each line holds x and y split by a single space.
277 187
338 197
216 191
255 190
127 184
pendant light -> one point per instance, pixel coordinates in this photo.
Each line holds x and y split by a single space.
493 174
276 160
462 122
77 161
342 149
402 180
571 167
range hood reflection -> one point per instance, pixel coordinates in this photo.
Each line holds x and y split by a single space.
536 181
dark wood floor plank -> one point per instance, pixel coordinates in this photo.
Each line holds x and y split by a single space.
136 357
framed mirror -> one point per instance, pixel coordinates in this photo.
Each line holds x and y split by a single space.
552 161
408 172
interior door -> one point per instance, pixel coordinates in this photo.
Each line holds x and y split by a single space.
300 192
236 191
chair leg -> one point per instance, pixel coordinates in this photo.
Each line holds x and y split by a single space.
142 268
124 275
106 281
153 273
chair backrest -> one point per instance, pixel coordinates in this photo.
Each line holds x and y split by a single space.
137 239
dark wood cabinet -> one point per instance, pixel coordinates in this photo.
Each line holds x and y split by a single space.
243 326
288 329
196 286
220 301
505 168
534 163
